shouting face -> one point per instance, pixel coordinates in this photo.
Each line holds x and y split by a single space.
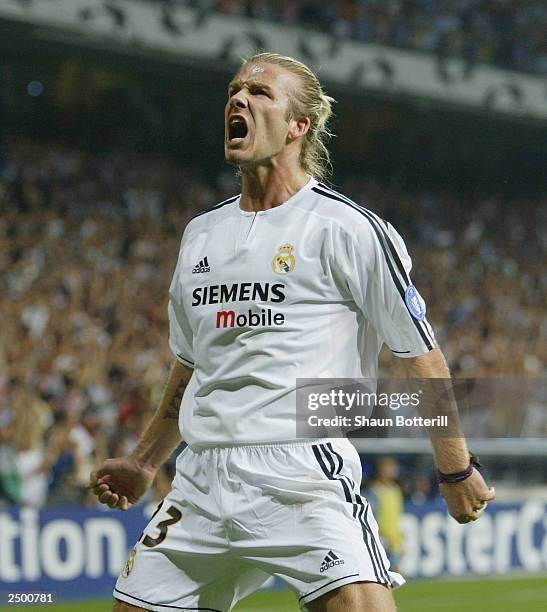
257 122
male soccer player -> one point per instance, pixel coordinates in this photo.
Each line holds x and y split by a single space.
287 280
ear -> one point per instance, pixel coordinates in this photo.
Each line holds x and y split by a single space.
298 128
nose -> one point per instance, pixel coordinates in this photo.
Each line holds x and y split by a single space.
238 100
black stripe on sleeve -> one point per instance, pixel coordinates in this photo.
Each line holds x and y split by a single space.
423 331
216 207
185 361
376 221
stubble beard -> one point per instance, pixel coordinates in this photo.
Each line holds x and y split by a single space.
241 168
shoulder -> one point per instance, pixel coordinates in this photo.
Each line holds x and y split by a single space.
348 216
360 227
212 215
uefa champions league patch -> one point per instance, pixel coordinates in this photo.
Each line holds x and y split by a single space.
415 303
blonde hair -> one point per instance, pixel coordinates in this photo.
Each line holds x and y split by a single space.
310 101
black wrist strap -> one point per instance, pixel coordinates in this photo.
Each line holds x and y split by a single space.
459 476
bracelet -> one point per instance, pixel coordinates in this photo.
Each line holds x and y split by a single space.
459 476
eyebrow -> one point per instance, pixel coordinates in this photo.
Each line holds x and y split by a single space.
252 82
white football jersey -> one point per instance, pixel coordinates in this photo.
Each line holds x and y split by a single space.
309 289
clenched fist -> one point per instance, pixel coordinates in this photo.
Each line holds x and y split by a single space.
119 483
467 500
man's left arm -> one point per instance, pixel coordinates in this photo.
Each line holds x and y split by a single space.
467 497
371 261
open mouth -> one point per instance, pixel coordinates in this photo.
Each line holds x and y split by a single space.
237 129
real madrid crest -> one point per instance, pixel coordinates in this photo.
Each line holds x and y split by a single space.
129 564
284 261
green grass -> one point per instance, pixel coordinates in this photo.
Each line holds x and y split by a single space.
494 595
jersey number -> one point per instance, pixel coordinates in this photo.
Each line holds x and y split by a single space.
162 527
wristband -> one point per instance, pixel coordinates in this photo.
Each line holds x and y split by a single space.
459 476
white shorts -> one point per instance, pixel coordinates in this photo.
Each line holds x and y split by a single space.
237 515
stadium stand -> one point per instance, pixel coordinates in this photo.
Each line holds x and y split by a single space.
507 34
90 245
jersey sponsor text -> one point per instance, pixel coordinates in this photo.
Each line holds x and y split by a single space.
264 318
238 292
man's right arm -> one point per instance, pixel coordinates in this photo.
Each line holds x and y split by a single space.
119 483
162 435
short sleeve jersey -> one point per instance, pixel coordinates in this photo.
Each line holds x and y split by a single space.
309 289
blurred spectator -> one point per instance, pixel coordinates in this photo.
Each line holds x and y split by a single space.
422 490
22 453
10 478
386 498
62 463
32 420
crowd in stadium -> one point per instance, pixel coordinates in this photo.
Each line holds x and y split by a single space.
89 244
506 33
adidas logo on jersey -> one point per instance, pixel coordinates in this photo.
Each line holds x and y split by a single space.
202 267
330 561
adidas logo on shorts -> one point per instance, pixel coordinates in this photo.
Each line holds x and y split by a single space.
202 267
330 561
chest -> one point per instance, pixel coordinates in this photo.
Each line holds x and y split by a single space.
253 262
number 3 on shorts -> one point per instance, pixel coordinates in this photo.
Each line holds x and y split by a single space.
162 527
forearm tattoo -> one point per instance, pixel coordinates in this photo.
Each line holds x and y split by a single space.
173 408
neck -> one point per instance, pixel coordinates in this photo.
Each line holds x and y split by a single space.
265 187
